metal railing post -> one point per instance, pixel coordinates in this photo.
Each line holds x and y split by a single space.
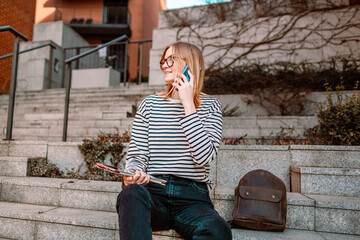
12 89
67 99
68 62
140 61
77 63
63 56
125 62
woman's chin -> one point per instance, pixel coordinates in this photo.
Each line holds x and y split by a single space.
169 81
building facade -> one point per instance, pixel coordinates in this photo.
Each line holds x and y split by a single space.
99 21
19 15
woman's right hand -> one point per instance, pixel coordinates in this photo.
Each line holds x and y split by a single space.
139 178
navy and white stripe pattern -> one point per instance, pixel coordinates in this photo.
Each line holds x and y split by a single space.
164 141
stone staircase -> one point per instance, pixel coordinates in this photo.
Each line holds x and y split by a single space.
39 115
327 205
323 184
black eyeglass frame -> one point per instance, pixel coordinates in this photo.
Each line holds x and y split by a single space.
166 60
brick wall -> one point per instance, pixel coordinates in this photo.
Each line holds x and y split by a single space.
20 15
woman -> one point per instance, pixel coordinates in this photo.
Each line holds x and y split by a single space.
175 135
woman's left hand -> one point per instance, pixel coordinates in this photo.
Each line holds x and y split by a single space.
186 92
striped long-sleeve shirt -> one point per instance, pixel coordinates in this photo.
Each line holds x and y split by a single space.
165 141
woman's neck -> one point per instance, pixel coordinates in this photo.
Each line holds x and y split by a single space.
175 94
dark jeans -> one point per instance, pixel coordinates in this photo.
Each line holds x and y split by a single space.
182 205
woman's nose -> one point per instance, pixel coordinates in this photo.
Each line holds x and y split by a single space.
165 65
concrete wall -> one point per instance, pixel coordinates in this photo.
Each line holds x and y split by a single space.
233 161
34 70
97 77
58 32
312 36
249 105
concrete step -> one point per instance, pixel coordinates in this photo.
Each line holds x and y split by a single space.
13 166
272 121
20 111
234 161
71 193
305 211
77 115
256 132
92 99
47 133
330 181
128 90
103 117
229 123
76 107
61 104
4 149
28 149
113 114
93 123
46 138
321 213
51 130
268 127
46 222
289 234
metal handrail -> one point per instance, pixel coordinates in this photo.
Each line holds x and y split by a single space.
128 42
96 45
95 49
68 78
30 49
14 32
17 35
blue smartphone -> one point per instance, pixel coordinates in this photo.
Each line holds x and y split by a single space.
185 72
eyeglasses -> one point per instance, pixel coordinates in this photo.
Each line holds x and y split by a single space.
169 61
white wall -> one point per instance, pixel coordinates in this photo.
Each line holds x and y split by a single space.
96 77
312 37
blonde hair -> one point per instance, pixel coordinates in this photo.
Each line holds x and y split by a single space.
192 56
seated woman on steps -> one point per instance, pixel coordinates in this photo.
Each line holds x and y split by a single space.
175 135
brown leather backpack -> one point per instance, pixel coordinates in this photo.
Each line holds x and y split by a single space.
260 202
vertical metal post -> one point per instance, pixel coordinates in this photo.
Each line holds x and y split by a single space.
125 62
67 99
63 56
77 64
12 89
140 61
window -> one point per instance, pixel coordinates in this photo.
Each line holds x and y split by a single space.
115 12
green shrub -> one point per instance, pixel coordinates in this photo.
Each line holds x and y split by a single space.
339 121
